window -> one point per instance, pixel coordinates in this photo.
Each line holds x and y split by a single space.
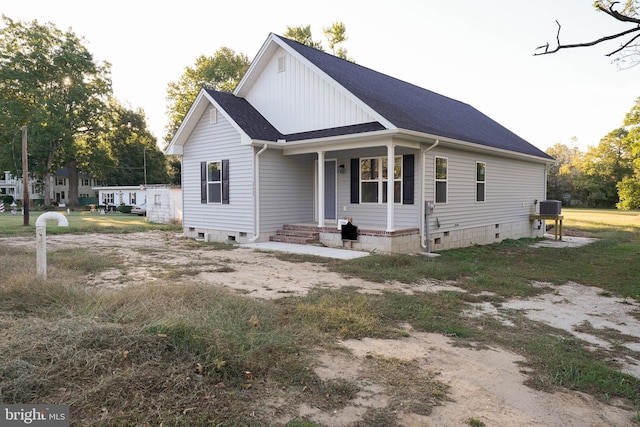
374 178
214 182
108 199
60 181
156 200
132 198
441 180
86 182
366 179
481 172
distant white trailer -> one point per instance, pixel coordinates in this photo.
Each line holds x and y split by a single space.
127 195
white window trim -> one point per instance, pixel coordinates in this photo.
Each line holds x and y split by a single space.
484 182
380 180
436 180
214 182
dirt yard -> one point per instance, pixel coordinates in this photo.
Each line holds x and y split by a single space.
485 384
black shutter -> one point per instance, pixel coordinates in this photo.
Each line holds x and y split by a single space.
355 181
407 179
225 182
203 182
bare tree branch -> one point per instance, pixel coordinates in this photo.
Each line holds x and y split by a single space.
614 14
624 46
586 44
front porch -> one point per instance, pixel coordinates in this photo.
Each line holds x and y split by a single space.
369 239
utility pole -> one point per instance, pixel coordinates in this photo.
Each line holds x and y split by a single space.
25 178
144 160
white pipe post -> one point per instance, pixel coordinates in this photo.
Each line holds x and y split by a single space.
41 239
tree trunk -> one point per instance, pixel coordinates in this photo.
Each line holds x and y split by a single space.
74 202
46 177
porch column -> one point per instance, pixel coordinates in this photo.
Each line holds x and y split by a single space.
320 189
390 187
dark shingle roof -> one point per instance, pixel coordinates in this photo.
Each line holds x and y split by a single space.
413 108
257 127
248 118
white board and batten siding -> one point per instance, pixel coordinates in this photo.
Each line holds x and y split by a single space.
298 99
511 187
213 142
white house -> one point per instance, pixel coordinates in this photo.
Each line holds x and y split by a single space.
307 139
128 195
59 187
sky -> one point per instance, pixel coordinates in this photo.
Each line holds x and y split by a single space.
478 52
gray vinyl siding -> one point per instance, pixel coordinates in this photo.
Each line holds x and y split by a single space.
210 142
511 187
286 189
371 214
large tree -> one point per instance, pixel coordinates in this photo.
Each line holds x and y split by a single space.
602 167
50 83
562 174
629 186
222 71
627 51
133 157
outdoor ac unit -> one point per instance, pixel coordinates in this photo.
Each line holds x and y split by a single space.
550 207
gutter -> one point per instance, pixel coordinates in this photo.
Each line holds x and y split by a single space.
424 235
256 183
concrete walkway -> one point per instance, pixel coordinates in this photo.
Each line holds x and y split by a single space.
306 250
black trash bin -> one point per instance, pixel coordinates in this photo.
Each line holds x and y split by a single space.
349 232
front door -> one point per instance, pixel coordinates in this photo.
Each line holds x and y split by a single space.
330 202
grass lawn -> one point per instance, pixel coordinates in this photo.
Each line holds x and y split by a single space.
144 351
79 222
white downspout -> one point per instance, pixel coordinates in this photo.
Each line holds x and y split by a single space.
256 184
424 234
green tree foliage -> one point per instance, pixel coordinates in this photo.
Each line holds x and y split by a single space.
335 35
562 175
303 35
131 155
604 176
50 83
222 71
629 186
603 167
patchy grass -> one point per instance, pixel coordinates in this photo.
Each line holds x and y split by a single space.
508 268
80 222
208 356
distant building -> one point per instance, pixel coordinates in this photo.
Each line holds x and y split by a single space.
59 185
164 204
127 195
